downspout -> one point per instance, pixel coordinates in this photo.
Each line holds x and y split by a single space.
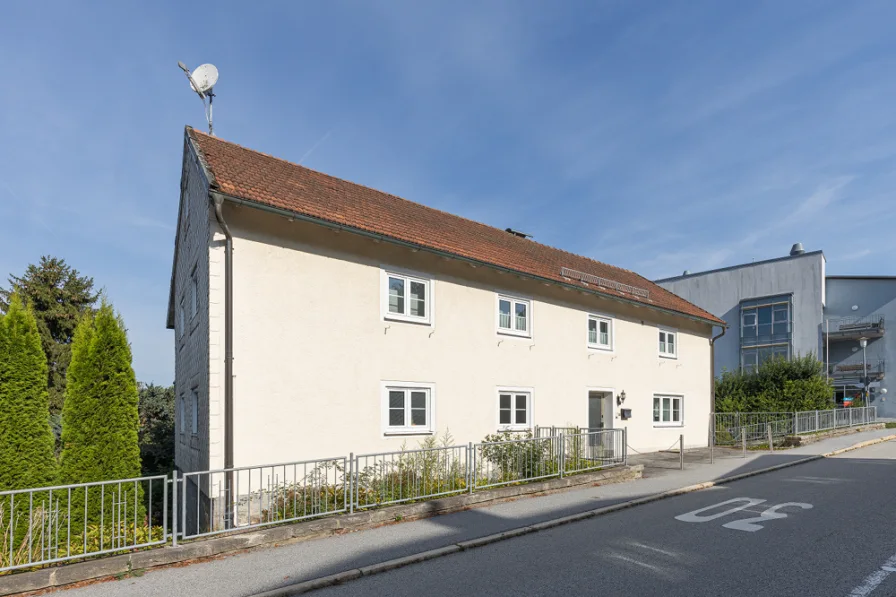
228 354
712 385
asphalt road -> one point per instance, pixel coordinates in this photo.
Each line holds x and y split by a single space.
837 539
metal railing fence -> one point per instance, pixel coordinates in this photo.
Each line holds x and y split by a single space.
540 431
731 427
213 502
408 475
66 522
515 461
592 450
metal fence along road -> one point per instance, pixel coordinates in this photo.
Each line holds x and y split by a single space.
515 461
65 522
213 502
54 524
408 475
730 428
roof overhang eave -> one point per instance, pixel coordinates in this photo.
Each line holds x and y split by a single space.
441 253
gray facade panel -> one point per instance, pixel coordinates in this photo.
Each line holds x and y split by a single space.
721 292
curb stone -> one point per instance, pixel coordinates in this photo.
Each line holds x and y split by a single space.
317 583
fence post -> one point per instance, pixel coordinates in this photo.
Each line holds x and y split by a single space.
351 483
471 460
174 508
817 427
743 440
712 437
625 446
681 451
562 455
771 443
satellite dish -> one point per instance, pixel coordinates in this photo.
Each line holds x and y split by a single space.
204 78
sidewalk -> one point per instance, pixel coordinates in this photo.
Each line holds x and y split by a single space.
270 568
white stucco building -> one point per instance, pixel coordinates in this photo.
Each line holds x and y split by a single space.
362 321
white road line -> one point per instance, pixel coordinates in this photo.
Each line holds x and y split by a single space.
873 580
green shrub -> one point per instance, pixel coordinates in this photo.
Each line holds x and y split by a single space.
511 460
778 385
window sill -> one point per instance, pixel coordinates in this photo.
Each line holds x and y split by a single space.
514 429
669 425
407 319
668 356
513 334
397 432
600 348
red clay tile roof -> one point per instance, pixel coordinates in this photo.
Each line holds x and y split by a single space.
264 179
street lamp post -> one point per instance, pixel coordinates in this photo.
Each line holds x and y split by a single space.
863 342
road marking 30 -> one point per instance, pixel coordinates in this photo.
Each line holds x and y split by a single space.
750 525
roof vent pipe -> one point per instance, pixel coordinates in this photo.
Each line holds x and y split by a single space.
797 249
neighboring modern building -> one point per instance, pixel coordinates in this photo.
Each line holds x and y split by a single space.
362 322
788 306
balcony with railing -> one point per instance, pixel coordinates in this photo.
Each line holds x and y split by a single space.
853 328
874 370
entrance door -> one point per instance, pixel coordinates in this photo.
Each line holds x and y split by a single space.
596 407
599 405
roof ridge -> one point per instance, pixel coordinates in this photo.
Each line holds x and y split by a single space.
447 213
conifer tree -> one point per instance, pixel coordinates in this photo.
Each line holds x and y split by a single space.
100 420
27 446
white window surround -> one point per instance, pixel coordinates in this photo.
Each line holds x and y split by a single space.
406 306
663 343
512 324
599 335
194 407
669 409
408 387
515 391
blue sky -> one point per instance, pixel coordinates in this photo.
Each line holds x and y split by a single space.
657 136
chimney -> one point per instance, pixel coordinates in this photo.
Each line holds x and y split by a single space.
797 249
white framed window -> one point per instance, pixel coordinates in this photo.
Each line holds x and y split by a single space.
407 297
194 408
194 292
514 316
408 408
668 343
668 410
600 332
514 409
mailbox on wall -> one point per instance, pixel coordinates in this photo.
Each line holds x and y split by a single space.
625 413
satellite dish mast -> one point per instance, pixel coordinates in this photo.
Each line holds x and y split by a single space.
203 80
